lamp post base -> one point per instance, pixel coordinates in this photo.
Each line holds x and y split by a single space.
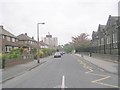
38 61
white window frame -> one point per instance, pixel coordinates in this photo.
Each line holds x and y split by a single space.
8 48
13 39
108 39
3 36
102 41
8 38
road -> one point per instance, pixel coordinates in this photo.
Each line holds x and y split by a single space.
69 71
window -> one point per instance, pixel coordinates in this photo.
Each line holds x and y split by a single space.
102 41
15 47
8 38
26 42
16 40
95 43
13 39
99 43
108 39
8 48
31 42
3 37
114 37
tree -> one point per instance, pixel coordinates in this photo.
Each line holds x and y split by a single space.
81 42
68 47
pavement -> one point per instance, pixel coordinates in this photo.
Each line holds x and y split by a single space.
106 65
11 72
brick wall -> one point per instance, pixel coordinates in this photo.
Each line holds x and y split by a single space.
23 59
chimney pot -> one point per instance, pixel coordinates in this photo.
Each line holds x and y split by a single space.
25 33
1 26
32 37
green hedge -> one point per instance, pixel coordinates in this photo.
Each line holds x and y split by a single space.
15 53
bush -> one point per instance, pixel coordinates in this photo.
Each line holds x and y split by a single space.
15 53
44 52
48 51
40 54
3 56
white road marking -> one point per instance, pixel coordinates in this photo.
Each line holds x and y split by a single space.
62 86
101 69
98 80
101 79
105 84
63 82
90 70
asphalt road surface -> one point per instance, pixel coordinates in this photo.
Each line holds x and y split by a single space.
69 71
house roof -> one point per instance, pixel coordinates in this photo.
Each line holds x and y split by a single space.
112 20
94 33
43 44
5 32
25 37
101 28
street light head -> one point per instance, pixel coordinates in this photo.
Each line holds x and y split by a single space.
41 23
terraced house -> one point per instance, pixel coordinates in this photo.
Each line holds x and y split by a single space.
8 40
106 39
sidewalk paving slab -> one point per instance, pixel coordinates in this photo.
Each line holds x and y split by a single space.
11 72
106 65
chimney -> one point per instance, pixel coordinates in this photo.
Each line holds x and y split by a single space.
32 37
26 34
1 26
109 15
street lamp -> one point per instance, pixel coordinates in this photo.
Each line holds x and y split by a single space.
38 41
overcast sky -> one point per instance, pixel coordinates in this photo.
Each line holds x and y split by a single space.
63 18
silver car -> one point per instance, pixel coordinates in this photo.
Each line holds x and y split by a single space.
57 55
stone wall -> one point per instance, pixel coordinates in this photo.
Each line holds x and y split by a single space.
107 57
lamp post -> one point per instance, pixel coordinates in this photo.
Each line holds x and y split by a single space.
38 41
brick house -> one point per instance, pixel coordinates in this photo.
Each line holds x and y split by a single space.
43 45
27 43
8 40
106 39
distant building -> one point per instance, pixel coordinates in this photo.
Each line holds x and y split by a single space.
43 45
52 42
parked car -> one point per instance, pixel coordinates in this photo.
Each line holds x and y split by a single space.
57 54
61 53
